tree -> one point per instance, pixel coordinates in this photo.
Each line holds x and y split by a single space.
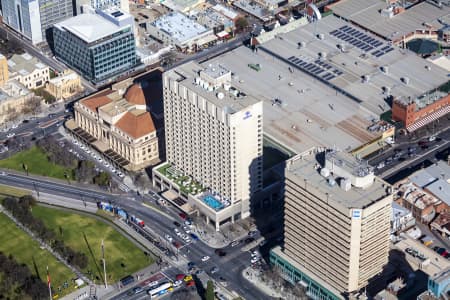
209 294
241 24
102 179
141 181
85 171
298 292
33 105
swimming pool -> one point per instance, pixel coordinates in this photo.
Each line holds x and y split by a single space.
213 202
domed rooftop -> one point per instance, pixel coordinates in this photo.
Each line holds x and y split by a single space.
135 94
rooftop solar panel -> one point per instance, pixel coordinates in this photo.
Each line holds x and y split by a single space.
379 54
378 44
384 48
389 50
291 57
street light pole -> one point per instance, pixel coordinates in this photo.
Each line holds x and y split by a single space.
104 264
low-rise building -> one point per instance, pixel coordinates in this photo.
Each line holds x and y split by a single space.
183 6
401 218
442 224
124 124
4 74
423 206
185 34
13 98
28 70
65 85
435 179
100 46
438 286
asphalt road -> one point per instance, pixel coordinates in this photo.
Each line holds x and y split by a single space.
397 158
230 266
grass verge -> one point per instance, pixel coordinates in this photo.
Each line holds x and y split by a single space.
85 234
36 161
27 251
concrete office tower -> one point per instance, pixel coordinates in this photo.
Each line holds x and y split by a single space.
214 136
33 18
100 46
337 224
4 75
80 5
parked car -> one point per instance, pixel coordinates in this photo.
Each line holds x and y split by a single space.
176 224
183 216
177 283
10 135
187 278
235 243
169 238
138 290
190 283
214 270
205 258
180 276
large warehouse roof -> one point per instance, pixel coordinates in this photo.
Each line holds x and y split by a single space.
313 99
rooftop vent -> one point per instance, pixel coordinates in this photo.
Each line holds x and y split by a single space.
301 45
320 36
384 69
323 55
428 68
405 80
220 96
325 172
366 78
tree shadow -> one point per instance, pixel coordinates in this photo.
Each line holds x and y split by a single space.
94 259
36 269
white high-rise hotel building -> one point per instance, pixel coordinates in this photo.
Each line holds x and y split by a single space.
214 135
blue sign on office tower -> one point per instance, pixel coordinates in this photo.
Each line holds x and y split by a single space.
356 214
247 115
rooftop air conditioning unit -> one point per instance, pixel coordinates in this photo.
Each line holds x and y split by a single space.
320 36
405 80
366 78
385 69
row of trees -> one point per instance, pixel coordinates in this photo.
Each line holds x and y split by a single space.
19 278
55 153
84 170
20 208
274 280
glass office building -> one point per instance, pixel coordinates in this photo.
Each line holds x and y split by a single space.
33 18
99 46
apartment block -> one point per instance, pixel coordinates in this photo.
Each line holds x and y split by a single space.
213 141
336 226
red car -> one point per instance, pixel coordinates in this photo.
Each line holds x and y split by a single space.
444 253
190 283
177 244
180 277
183 216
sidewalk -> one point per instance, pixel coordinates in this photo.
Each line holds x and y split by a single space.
254 277
222 238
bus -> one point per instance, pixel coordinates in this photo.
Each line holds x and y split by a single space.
160 290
